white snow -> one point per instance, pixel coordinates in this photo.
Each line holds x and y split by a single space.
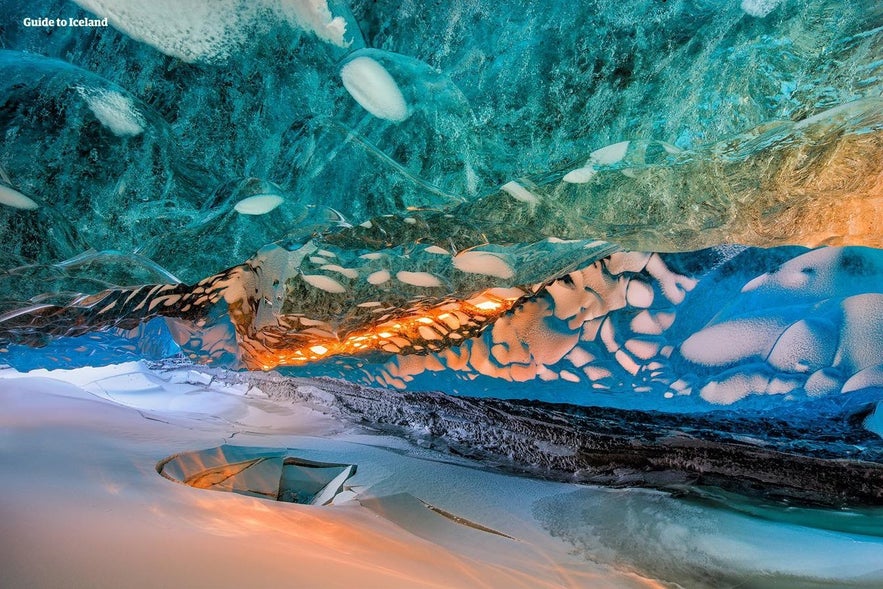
315 16
378 277
639 293
79 480
822 382
348 272
803 347
191 30
645 323
605 156
569 376
643 349
610 154
863 379
424 279
212 30
814 273
729 389
731 341
674 286
519 192
861 337
580 175
323 282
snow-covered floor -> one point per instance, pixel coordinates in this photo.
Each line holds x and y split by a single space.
82 505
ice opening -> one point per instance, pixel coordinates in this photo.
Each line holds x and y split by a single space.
266 473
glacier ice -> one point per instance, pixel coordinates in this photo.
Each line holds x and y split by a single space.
290 157
588 324
671 210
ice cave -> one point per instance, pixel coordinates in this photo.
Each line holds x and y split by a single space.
466 293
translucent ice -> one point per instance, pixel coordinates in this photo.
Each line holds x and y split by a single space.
401 195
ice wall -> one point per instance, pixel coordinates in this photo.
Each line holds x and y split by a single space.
430 159
556 321
740 125
711 328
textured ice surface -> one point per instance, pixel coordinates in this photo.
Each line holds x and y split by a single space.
671 206
630 329
427 179
669 330
688 124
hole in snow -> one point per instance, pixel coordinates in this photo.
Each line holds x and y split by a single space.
268 473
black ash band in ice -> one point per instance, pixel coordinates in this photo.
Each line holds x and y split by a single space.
827 460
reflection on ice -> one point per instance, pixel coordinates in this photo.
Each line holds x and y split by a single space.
689 544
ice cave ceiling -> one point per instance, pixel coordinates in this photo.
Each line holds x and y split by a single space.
585 202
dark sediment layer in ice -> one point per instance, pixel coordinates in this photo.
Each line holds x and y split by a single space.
827 461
